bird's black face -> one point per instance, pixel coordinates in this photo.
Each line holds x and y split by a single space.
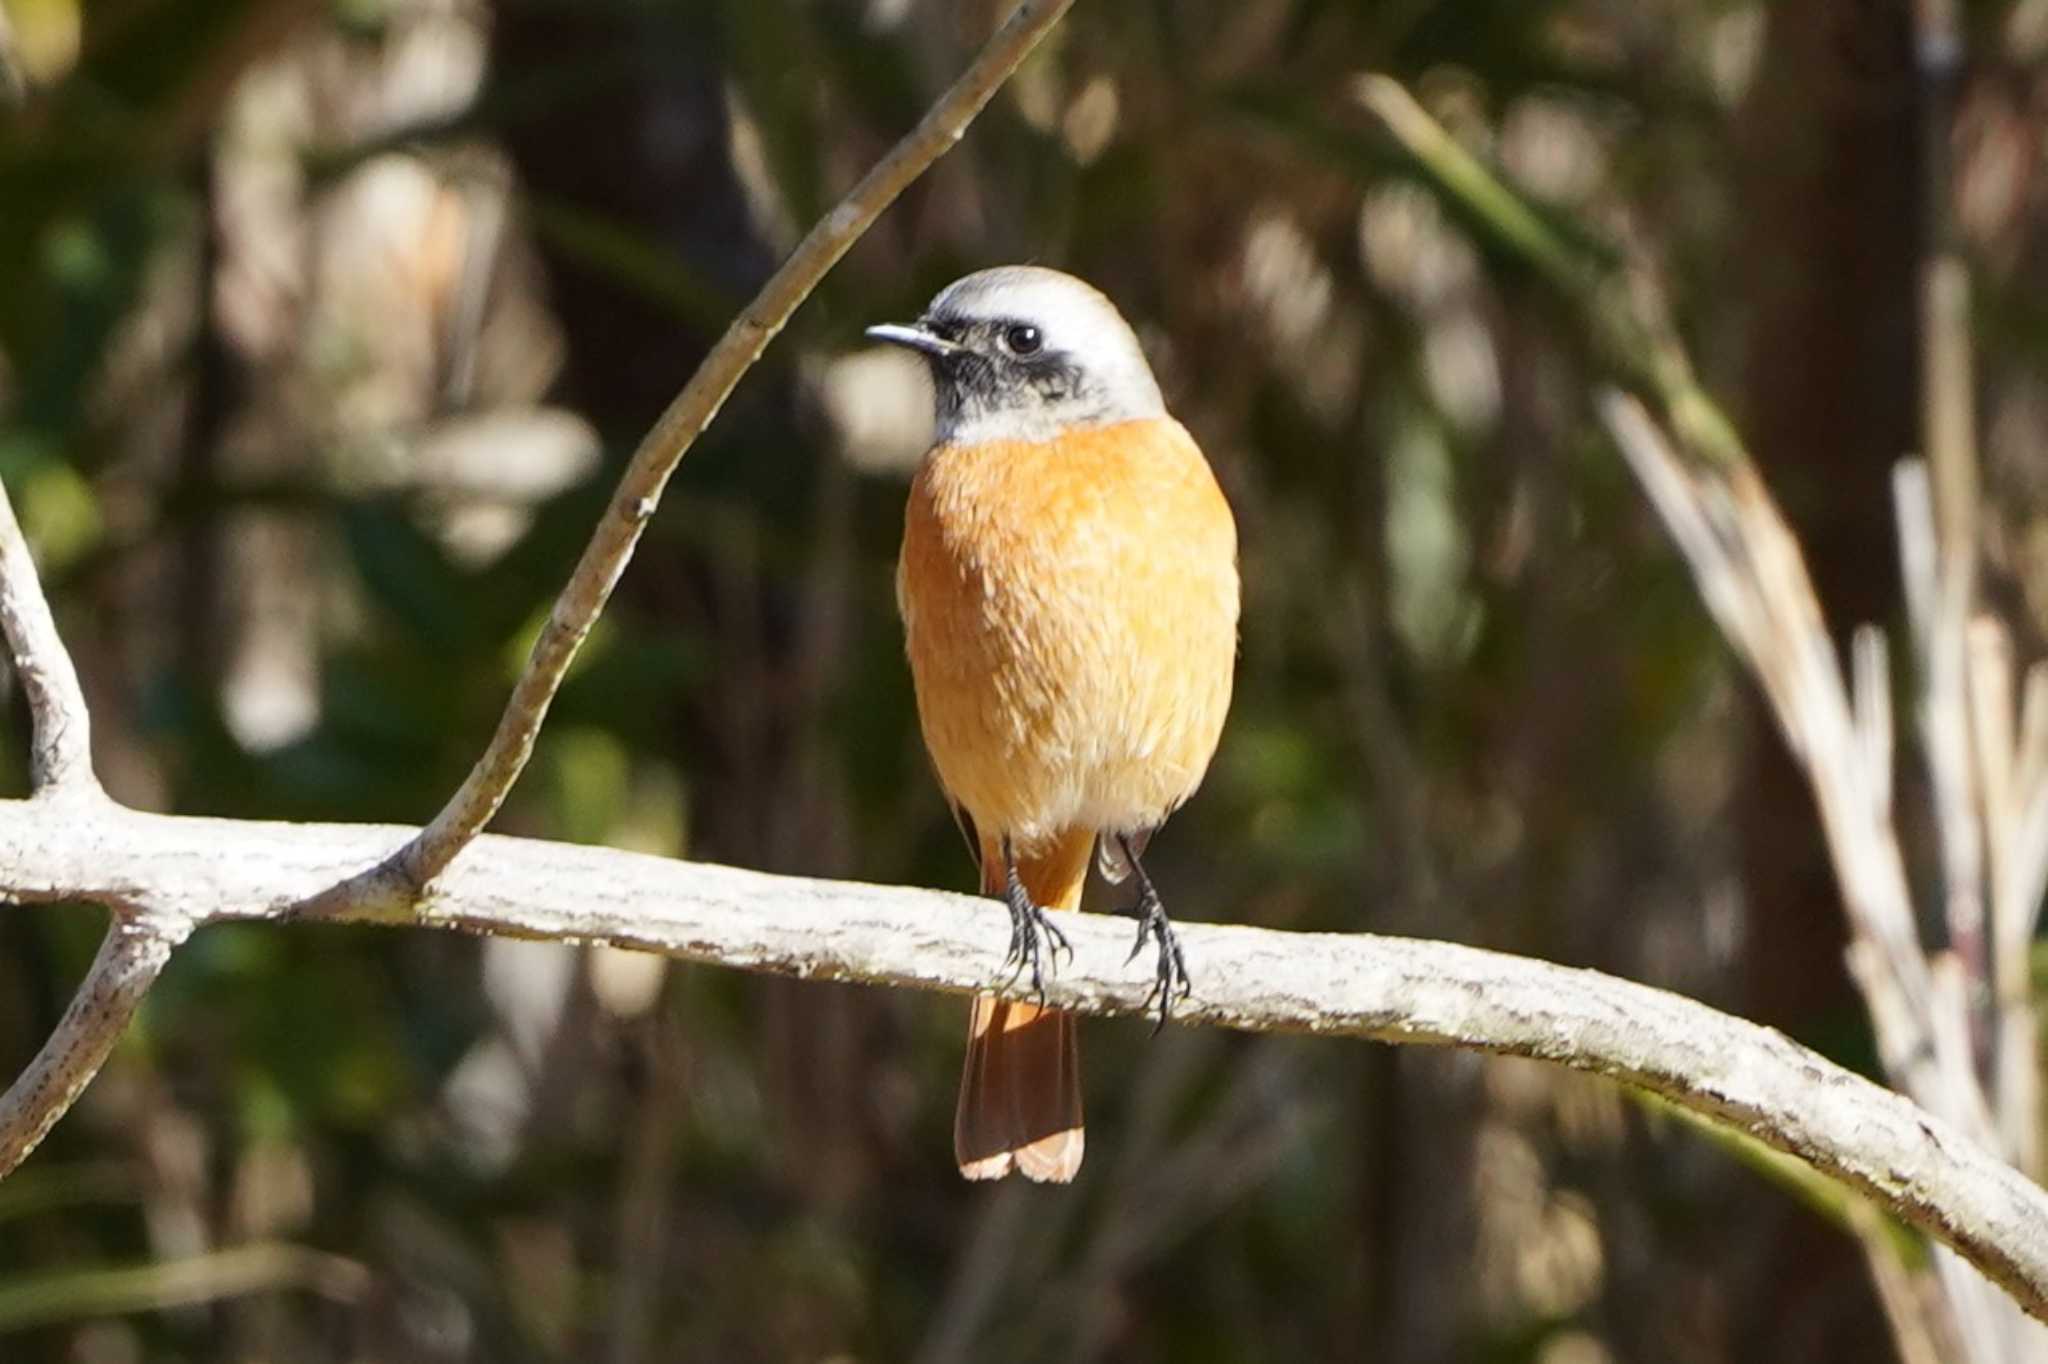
1005 365
1024 353
999 372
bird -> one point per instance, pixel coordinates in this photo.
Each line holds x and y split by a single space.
1068 585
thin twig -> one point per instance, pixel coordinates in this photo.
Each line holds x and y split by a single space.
60 752
639 490
128 963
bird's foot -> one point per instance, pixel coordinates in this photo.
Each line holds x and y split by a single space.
1171 979
1035 941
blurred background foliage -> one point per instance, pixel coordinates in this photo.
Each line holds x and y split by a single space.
323 328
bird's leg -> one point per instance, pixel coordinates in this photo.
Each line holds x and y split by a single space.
1030 929
1172 977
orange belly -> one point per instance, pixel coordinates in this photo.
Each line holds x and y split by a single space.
1070 612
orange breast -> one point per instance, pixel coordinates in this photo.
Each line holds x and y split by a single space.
1070 610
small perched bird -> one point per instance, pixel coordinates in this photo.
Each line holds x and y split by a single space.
1068 585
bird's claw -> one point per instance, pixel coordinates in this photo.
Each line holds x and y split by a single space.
1170 981
1031 930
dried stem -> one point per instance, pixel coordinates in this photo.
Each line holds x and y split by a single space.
1937 578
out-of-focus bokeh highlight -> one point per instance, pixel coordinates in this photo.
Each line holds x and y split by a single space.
323 330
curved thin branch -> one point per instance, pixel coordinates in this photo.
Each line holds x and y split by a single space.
639 491
129 961
60 754
1260 980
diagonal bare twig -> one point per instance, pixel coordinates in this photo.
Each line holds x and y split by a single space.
142 936
639 490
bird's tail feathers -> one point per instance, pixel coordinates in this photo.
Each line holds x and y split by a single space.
1020 1091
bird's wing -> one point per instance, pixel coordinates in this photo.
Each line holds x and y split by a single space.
965 823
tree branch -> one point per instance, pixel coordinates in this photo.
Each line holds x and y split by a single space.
1258 980
639 491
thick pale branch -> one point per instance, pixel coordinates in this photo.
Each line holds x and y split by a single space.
1255 979
60 753
639 490
128 963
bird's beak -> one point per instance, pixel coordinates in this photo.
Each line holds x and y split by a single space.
914 338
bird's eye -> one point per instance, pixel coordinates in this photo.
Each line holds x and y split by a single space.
1023 339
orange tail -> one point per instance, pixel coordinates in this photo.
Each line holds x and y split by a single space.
1020 1093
